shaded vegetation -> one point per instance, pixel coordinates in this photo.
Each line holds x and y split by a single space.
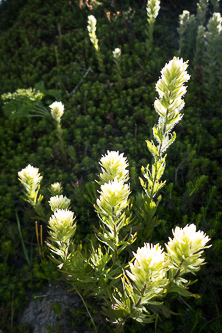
47 41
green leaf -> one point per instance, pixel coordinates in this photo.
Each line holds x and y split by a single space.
22 241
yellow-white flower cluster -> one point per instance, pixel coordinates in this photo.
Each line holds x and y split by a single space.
56 189
174 75
57 110
59 202
92 31
184 19
214 25
149 270
117 54
32 94
62 225
152 8
185 249
114 166
30 175
30 178
113 197
171 89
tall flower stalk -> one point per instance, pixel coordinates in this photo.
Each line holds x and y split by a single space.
168 106
31 179
182 30
202 7
152 8
113 202
117 61
94 40
57 111
212 57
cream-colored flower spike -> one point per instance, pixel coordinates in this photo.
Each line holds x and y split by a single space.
113 197
174 75
215 25
171 89
30 175
117 53
149 268
30 179
183 20
185 249
92 31
56 189
152 8
114 166
62 224
57 110
59 202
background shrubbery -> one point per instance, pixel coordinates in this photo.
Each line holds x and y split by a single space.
47 41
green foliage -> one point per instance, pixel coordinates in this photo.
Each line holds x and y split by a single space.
42 47
27 102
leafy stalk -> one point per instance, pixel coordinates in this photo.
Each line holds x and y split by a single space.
171 89
152 8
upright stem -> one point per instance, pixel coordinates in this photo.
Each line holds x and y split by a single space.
116 238
60 137
164 131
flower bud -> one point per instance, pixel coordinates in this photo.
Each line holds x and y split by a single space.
57 110
56 189
117 54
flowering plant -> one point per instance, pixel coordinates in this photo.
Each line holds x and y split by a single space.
132 283
92 31
94 40
30 178
200 40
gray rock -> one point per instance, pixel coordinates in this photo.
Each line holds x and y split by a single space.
51 310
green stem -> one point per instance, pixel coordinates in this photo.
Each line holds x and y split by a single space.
177 273
159 155
164 132
60 137
115 236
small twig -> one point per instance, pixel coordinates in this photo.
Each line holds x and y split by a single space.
74 90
